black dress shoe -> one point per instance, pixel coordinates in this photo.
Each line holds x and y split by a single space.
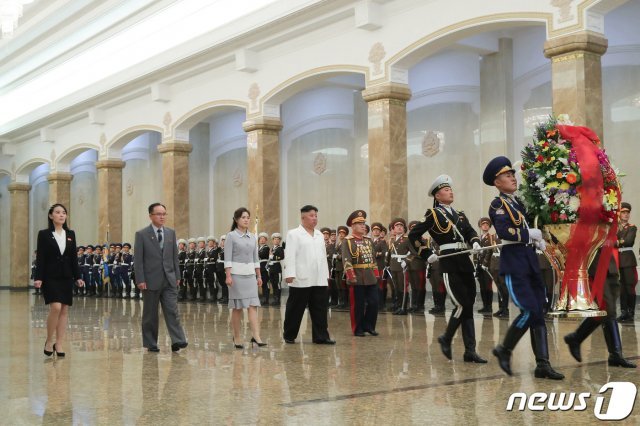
153 349
325 342
372 332
445 346
473 357
175 347
289 341
359 333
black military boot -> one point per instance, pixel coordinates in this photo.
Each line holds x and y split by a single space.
276 297
203 293
447 337
422 296
414 301
438 302
503 351
631 307
469 339
402 309
614 345
225 295
214 293
541 349
381 300
575 339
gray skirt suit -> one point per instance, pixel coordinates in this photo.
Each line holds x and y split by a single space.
241 255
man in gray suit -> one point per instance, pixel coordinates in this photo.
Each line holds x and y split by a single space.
158 276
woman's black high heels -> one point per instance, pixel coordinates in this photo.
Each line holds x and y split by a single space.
260 344
58 354
46 352
236 345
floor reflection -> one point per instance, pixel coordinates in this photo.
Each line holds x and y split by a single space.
399 377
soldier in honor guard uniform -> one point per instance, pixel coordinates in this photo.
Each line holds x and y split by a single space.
608 322
220 272
343 292
452 231
520 268
124 269
361 272
417 270
199 283
110 268
275 267
114 263
380 253
330 249
396 259
483 261
81 267
97 269
89 282
210 268
434 274
182 263
263 255
628 264
190 266
33 272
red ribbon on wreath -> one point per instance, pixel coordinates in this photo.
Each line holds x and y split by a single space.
591 192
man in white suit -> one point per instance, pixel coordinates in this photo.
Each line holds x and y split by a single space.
158 275
307 274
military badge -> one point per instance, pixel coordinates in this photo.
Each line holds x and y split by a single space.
500 211
512 231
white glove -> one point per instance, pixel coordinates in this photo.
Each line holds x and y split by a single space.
433 258
476 247
403 264
541 245
535 234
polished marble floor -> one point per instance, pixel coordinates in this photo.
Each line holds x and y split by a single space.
399 377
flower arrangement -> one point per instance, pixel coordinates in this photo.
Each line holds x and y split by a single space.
551 177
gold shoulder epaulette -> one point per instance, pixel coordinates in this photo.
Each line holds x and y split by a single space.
349 237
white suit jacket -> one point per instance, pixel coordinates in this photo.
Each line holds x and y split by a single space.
305 258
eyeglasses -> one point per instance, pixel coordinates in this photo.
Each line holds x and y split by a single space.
158 214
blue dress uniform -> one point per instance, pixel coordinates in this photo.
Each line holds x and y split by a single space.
124 269
451 230
182 264
220 272
263 255
89 278
210 269
81 268
520 268
97 269
275 267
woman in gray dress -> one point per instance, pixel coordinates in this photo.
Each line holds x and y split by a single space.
242 268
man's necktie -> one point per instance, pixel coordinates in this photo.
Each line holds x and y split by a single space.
160 239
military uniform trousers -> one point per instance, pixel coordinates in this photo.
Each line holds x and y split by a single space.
528 292
364 307
460 283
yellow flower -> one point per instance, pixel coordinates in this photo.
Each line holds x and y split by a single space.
564 186
553 184
611 198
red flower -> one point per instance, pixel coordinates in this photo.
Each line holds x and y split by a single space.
540 158
554 217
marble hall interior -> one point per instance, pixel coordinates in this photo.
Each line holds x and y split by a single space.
107 106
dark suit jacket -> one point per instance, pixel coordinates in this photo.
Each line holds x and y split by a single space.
153 264
50 264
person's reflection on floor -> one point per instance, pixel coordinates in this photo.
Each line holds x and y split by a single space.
59 409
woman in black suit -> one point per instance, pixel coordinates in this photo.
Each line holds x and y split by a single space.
56 271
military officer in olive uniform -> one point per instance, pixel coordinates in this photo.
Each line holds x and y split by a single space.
275 267
380 253
338 270
628 263
483 261
397 254
263 256
361 272
520 268
210 268
417 270
452 231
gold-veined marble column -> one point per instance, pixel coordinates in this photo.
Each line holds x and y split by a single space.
387 104
576 77
60 191
175 185
263 171
110 200
20 260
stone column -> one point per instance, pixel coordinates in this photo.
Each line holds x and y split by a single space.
60 190
263 172
110 199
496 113
175 185
576 77
20 259
387 105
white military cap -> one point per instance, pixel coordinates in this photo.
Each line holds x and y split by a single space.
211 238
182 241
276 235
202 240
442 181
192 240
263 234
223 237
